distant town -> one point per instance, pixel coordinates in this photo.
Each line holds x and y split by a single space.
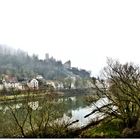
19 71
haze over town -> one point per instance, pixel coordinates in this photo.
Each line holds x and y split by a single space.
86 32
52 81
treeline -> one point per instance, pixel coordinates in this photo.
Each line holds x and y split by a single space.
18 63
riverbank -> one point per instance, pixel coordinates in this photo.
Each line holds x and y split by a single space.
74 92
107 128
104 128
40 94
46 106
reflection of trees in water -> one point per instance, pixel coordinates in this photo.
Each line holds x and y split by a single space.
15 120
48 109
70 104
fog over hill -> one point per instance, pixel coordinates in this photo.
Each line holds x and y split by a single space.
20 64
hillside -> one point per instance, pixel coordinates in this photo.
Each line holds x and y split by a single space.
18 63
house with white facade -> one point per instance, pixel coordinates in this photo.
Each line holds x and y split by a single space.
33 84
39 77
8 85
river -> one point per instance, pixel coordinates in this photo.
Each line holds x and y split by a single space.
66 109
80 113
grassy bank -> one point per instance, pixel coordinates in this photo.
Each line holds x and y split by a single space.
108 128
105 128
21 95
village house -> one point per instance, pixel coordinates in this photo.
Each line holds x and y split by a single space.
39 77
19 86
73 82
55 84
33 84
10 82
50 82
58 84
8 85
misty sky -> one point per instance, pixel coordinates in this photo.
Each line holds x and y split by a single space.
84 31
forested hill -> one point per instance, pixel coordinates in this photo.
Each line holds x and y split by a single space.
18 63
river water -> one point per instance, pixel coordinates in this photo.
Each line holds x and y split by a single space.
66 109
80 113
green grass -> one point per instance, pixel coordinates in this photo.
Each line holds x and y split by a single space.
105 129
23 95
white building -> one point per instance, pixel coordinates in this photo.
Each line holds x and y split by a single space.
39 77
50 82
33 84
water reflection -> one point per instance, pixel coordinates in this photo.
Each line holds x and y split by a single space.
79 113
64 109
33 105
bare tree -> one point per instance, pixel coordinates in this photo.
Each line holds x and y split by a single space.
121 85
30 116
